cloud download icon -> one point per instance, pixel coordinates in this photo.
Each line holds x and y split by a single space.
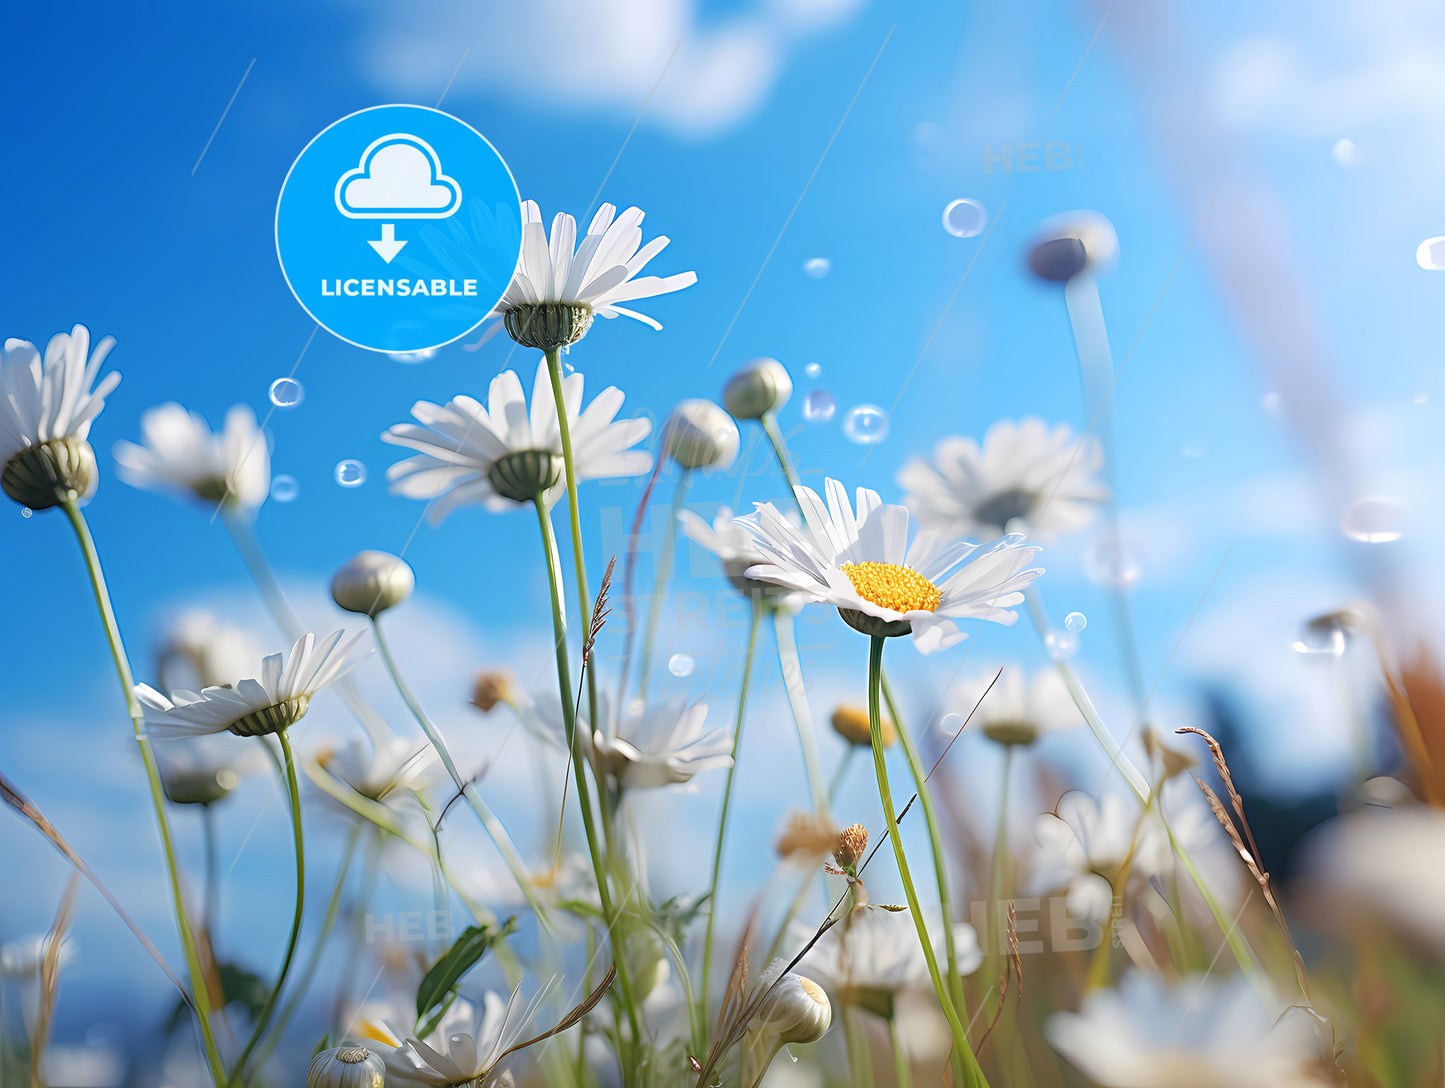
387 164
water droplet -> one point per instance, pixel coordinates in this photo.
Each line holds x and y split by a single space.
865 424
411 358
350 473
284 488
819 406
1061 645
950 724
1430 254
813 370
817 267
287 393
964 218
1076 621
568 368
1422 397
1345 153
1112 563
1374 521
26 512
681 664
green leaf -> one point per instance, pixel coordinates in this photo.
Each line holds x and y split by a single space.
324 1043
441 981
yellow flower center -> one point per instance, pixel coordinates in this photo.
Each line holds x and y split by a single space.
892 586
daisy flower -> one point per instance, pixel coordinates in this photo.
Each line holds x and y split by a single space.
376 771
1025 477
46 408
182 455
278 700
1083 844
863 564
655 744
874 954
1016 709
556 291
502 455
463 1049
728 539
1202 1032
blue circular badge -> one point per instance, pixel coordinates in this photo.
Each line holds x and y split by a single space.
398 228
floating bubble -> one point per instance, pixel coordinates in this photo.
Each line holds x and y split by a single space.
412 357
817 267
819 406
1112 563
1345 153
287 393
865 424
26 512
284 488
1374 521
1061 645
951 723
1430 254
350 473
813 370
681 664
1076 621
964 218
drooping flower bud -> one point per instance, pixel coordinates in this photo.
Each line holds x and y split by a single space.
346 1067
372 582
699 434
760 387
796 1010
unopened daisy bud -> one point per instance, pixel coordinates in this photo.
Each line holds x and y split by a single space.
372 582
796 1010
807 837
761 387
548 326
525 474
200 786
851 723
699 434
49 473
346 1067
1071 244
491 688
851 845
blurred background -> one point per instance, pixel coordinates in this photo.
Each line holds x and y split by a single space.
1271 175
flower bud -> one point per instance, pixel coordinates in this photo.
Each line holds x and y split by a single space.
1071 244
761 387
699 434
796 1010
46 474
851 723
372 582
491 688
547 326
346 1067
199 786
851 845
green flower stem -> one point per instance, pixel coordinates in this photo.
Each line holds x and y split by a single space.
659 585
584 798
1244 953
940 864
1000 844
860 1061
211 908
792 669
318 949
263 1019
973 1074
584 597
494 828
780 450
902 1067
841 773
285 617
722 825
200 996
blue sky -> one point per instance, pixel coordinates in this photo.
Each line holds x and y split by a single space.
116 219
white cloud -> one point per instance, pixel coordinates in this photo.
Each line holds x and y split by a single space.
599 56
